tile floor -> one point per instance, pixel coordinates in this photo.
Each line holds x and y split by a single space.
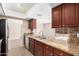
16 49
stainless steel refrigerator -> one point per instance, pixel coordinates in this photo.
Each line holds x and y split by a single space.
4 34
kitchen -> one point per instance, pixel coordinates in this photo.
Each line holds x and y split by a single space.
46 29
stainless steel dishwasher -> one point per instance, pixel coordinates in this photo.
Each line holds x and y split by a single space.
26 40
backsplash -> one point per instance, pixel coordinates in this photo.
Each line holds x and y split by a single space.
61 30
73 40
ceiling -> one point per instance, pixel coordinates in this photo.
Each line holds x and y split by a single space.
40 11
19 7
54 4
24 7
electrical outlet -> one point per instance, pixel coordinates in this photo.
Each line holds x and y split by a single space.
77 34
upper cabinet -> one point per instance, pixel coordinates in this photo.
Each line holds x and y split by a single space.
77 14
56 16
68 15
32 24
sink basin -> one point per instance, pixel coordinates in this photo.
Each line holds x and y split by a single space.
40 37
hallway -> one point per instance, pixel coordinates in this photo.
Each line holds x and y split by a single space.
15 48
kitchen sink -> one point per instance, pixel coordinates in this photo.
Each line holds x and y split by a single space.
40 37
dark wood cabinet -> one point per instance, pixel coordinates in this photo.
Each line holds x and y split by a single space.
65 15
32 24
31 45
48 51
77 14
56 16
38 49
58 52
69 15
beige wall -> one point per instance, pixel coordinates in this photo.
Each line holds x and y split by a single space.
48 31
14 29
25 28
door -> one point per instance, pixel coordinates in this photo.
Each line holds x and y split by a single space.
56 16
48 51
38 48
68 15
15 38
31 45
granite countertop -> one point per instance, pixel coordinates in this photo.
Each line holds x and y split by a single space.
66 48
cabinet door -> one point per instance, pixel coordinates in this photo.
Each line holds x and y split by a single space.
32 23
77 14
48 51
29 23
31 45
58 52
68 15
38 49
56 17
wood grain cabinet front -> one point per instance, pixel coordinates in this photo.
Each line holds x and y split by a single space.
69 15
38 49
31 45
48 51
32 24
58 52
77 14
65 15
56 16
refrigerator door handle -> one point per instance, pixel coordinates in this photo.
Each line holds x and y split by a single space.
7 31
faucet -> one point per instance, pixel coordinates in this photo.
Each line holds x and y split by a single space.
42 35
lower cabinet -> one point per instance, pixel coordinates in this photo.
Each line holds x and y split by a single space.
31 45
48 51
58 52
40 49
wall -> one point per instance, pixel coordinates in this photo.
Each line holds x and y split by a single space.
15 26
39 28
25 28
48 31
40 11
14 29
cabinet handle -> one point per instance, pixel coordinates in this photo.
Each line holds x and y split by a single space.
51 54
59 25
47 47
63 25
61 54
